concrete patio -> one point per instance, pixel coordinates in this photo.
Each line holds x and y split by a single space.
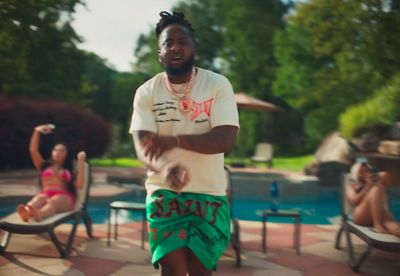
36 255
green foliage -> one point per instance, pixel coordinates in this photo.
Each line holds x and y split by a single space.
247 137
316 60
98 84
249 28
122 93
39 57
331 56
209 40
146 54
248 31
286 163
382 109
295 163
80 129
116 162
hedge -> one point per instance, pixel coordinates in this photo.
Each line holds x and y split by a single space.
381 110
79 128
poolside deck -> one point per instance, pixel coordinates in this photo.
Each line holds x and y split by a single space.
36 255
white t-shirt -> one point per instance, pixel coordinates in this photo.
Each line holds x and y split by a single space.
156 109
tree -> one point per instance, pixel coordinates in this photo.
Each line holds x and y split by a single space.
97 85
123 91
333 54
248 31
38 49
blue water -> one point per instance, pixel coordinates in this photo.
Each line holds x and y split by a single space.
320 209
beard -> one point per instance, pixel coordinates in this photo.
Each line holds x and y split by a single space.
184 69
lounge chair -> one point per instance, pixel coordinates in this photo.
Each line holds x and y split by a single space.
263 154
12 224
235 229
372 239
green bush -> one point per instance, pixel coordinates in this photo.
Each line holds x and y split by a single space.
382 109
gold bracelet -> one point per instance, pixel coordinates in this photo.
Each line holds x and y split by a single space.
177 141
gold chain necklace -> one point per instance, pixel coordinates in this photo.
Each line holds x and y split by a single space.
185 102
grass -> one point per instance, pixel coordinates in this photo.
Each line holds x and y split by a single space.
116 162
297 163
293 164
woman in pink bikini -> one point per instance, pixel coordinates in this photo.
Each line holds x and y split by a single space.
57 181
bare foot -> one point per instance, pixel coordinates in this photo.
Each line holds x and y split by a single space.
34 213
23 212
380 229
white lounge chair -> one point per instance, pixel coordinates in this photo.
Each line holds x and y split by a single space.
13 223
264 153
235 227
372 239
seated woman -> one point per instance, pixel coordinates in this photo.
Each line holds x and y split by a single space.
366 193
58 183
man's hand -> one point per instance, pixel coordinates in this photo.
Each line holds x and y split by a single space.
81 156
45 129
178 177
154 145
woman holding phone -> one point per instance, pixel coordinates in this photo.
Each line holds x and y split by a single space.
366 193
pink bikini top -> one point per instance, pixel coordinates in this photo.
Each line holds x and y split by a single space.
65 175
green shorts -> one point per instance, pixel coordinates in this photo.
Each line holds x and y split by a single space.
199 222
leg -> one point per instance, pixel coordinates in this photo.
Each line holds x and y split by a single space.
54 205
38 201
23 212
376 197
391 225
371 211
264 233
195 267
175 263
109 226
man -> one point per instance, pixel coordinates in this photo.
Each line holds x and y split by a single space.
183 122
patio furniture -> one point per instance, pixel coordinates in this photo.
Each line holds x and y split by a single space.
263 154
282 213
12 224
235 227
115 207
371 238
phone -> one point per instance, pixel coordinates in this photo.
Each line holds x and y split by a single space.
51 126
374 171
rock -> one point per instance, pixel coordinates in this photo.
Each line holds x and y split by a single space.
367 142
333 148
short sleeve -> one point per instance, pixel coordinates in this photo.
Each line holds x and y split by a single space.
143 116
224 111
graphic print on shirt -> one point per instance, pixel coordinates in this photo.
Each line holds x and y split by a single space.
162 109
166 111
199 108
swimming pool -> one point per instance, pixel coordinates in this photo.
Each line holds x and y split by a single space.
321 208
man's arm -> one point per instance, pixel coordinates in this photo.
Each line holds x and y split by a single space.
148 149
220 139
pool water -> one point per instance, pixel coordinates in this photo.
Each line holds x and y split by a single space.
321 209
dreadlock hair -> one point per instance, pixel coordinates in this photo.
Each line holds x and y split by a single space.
174 18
